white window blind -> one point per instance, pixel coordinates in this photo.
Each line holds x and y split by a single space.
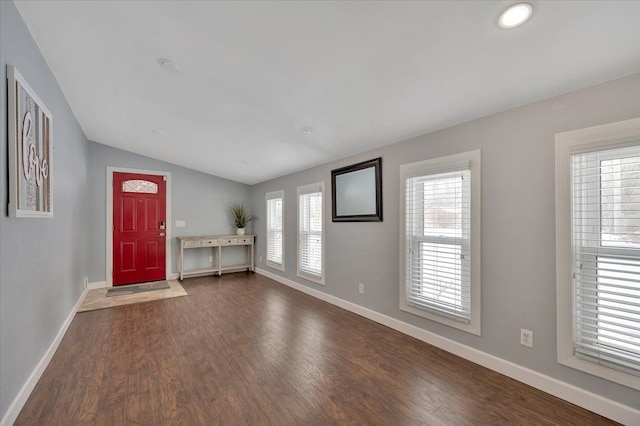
310 232
275 230
605 196
438 243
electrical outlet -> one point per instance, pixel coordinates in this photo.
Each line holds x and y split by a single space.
85 283
210 259
526 338
361 288
260 259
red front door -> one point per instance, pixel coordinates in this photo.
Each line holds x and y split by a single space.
139 228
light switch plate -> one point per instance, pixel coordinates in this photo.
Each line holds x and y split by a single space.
180 223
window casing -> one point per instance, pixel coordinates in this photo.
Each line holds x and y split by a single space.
440 240
311 232
598 250
275 229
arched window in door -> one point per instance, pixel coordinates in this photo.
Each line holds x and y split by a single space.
140 186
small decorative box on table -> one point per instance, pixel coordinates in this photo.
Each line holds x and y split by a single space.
215 243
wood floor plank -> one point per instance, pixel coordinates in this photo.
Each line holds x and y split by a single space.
242 349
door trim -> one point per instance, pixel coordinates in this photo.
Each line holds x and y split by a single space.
109 222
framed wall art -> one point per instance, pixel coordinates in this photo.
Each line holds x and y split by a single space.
357 192
30 139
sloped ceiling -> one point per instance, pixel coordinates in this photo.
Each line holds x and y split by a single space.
360 74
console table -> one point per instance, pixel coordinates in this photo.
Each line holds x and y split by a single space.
215 243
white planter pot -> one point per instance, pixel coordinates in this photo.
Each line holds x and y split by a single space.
240 231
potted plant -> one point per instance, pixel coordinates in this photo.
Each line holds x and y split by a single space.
241 217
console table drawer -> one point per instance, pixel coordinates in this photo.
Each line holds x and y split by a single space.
228 241
209 243
245 240
192 243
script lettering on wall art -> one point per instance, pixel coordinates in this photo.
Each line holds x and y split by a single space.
30 134
31 161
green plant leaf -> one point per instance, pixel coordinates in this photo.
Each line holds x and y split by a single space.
240 214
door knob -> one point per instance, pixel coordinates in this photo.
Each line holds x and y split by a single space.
161 234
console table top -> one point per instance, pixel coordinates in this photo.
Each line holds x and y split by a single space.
205 237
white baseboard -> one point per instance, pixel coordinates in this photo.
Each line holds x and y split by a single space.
173 276
16 405
573 394
98 284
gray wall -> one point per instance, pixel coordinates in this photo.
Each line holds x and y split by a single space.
43 261
199 199
518 226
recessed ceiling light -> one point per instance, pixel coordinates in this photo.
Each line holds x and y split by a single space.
157 132
169 65
515 15
307 130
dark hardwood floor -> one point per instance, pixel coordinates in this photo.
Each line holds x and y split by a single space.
243 349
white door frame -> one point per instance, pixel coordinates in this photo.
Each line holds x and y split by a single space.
109 221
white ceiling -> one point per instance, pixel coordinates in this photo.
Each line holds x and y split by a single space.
361 74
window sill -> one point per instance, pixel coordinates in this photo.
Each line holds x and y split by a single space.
602 371
472 327
278 266
317 280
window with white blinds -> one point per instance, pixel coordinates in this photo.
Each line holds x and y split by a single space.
598 250
275 230
606 257
311 232
438 279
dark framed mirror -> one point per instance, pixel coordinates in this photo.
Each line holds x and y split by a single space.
356 192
